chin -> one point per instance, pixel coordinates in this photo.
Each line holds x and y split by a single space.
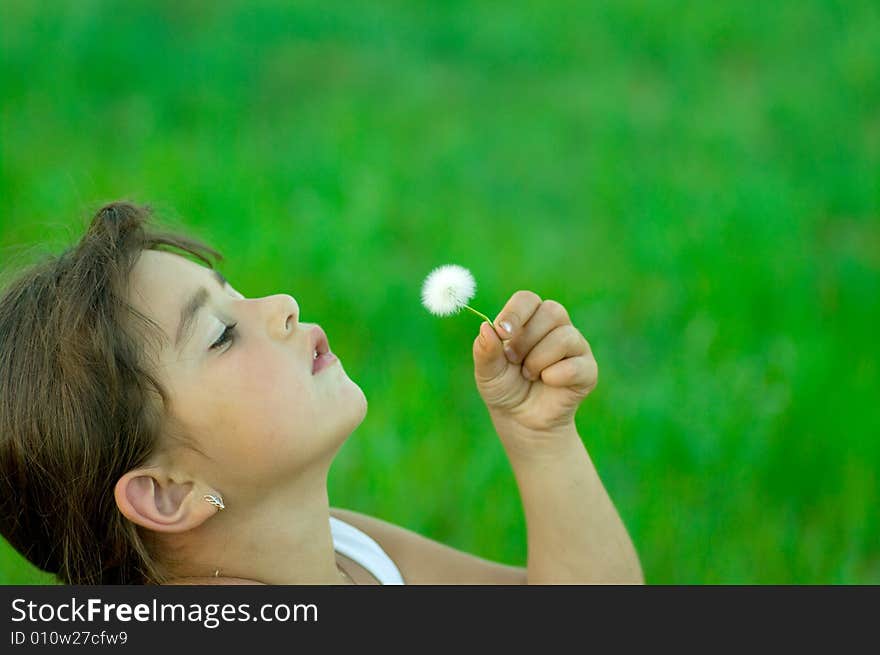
361 406
357 397
351 411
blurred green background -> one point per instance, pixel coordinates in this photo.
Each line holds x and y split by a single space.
697 183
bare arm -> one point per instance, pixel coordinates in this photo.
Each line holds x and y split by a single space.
533 369
575 535
425 561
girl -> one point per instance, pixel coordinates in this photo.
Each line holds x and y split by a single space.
157 427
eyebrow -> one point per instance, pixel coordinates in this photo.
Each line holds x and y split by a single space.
191 309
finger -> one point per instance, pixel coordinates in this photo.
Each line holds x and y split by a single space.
579 373
549 316
489 359
562 341
516 312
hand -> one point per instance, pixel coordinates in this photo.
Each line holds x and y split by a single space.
535 379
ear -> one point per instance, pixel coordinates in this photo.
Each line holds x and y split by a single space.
149 497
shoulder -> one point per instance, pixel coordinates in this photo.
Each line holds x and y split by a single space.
425 561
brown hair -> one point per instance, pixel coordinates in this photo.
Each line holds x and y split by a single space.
78 403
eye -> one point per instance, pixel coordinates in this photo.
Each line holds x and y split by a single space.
228 335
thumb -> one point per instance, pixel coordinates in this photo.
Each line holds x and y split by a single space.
489 359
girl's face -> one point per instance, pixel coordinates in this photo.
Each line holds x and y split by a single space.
246 393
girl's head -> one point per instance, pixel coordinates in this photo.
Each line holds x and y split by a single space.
133 381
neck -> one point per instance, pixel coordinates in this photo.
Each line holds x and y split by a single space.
277 536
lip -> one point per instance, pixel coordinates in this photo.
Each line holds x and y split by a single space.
318 341
323 362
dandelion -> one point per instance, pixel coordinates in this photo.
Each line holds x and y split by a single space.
447 289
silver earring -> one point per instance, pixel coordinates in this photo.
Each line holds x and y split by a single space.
215 500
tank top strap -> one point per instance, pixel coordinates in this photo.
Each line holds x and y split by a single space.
363 549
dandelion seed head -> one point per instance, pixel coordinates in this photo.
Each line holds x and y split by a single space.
447 289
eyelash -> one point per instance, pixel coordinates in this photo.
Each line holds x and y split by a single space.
228 335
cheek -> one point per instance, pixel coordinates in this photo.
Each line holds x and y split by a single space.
269 398
271 376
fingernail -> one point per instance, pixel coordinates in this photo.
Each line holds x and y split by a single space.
506 326
509 354
526 373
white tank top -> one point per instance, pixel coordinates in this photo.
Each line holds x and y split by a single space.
361 548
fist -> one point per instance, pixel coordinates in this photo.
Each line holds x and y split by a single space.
536 369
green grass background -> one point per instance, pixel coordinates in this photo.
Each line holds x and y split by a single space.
697 183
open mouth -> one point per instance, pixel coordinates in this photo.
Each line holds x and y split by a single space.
321 355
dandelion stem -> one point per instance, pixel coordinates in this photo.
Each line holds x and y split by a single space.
483 316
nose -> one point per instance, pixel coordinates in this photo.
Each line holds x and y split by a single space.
283 315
